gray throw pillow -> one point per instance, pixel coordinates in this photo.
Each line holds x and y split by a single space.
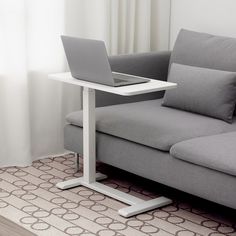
204 91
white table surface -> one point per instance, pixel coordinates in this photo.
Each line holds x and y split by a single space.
151 86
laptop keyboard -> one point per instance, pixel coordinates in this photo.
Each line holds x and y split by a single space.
119 80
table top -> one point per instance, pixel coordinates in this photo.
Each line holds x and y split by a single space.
129 90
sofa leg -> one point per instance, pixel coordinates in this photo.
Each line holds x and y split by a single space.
77 162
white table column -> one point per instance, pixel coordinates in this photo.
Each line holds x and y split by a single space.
89 135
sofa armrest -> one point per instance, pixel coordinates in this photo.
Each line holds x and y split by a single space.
151 65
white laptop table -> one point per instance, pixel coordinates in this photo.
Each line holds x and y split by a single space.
90 177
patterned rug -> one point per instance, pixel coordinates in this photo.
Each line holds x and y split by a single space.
29 198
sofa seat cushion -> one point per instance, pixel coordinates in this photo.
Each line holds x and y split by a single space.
216 152
151 124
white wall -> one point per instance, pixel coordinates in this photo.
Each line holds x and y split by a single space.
210 16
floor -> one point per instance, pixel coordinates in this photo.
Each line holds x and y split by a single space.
29 198
9 228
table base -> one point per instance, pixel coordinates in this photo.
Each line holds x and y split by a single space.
137 205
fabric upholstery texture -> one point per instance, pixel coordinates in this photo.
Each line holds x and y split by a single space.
204 50
159 166
217 152
205 91
149 123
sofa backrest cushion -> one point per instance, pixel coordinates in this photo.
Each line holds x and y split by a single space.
201 90
204 50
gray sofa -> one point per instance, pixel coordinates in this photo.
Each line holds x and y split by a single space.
184 150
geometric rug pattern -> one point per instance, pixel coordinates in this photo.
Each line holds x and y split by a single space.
28 197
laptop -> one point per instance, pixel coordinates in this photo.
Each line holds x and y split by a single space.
88 61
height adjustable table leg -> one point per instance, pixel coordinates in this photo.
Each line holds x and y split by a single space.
90 176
